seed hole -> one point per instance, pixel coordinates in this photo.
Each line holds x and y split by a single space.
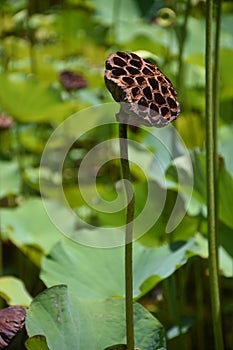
164 111
171 102
164 90
132 70
140 80
154 107
135 91
143 102
128 80
119 62
154 111
123 55
159 99
153 83
136 63
118 71
146 71
147 93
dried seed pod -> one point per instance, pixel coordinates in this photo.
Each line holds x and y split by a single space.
12 320
148 93
6 122
72 81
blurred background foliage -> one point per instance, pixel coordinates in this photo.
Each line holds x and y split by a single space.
38 41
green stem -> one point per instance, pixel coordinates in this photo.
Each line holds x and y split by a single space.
216 98
210 164
128 237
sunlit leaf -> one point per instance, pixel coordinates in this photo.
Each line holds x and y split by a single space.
13 291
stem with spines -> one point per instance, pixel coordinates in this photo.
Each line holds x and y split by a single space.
128 236
211 184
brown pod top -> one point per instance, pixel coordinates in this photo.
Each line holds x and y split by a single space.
12 320
72 81
6 122
149 94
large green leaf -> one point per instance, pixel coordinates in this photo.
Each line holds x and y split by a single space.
98 273
70 322
29 226
34 101
14 291
9 178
